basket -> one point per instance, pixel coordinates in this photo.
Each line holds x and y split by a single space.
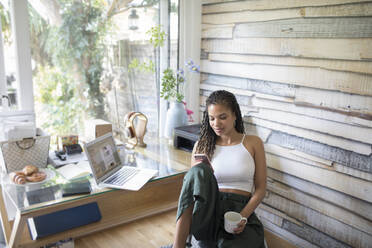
30 151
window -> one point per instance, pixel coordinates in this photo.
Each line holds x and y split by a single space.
94 59
16 101
8 83
40 22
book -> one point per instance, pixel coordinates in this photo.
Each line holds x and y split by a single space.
42 195
73 171
61 220
75 188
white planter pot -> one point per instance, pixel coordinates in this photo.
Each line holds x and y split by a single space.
176 117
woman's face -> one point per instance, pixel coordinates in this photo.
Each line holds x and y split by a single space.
221 119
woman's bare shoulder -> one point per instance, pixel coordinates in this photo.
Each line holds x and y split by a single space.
253 141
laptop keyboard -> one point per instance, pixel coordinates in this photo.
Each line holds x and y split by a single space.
122 176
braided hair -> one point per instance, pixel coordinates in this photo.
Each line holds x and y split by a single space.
207 140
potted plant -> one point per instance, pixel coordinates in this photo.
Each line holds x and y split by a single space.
172 85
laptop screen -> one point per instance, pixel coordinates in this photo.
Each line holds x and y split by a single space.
103 155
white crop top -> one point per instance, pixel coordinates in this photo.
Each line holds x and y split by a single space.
234 167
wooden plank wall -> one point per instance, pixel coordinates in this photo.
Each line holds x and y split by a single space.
302 72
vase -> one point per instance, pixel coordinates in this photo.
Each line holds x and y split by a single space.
176 117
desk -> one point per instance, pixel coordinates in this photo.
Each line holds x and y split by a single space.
116 206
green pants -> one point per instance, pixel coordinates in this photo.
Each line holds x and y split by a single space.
200 188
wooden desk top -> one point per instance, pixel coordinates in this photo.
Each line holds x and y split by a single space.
158 154
166 154
116 206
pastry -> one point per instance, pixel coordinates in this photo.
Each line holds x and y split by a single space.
36 177
28 170
18 177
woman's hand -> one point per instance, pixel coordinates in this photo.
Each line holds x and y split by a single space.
196 162
241 226
201 158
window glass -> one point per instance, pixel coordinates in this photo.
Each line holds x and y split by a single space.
131 66
11 84
95 60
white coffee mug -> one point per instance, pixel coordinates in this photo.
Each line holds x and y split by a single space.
232 220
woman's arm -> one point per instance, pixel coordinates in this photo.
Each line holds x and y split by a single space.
192 154
259 177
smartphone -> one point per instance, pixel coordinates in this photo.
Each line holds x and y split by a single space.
202 157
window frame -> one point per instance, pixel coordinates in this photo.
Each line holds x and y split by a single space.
189 48
190 13
3 86
21 37
163 62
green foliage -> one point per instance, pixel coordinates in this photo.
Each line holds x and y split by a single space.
148 2
134 64
174 8
58 101
145 4
69 60
157 36
170 85
77 46
146 66
5 24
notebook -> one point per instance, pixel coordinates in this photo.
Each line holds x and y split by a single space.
107 168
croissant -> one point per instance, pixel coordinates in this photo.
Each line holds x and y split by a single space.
36 177
18 177
28 170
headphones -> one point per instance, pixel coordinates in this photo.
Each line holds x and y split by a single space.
135 129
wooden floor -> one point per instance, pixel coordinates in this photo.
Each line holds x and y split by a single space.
154 231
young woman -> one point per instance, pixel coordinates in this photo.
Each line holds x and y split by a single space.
233 180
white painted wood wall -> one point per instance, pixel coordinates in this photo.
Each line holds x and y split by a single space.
302 73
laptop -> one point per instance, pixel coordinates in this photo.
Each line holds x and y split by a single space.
107 168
